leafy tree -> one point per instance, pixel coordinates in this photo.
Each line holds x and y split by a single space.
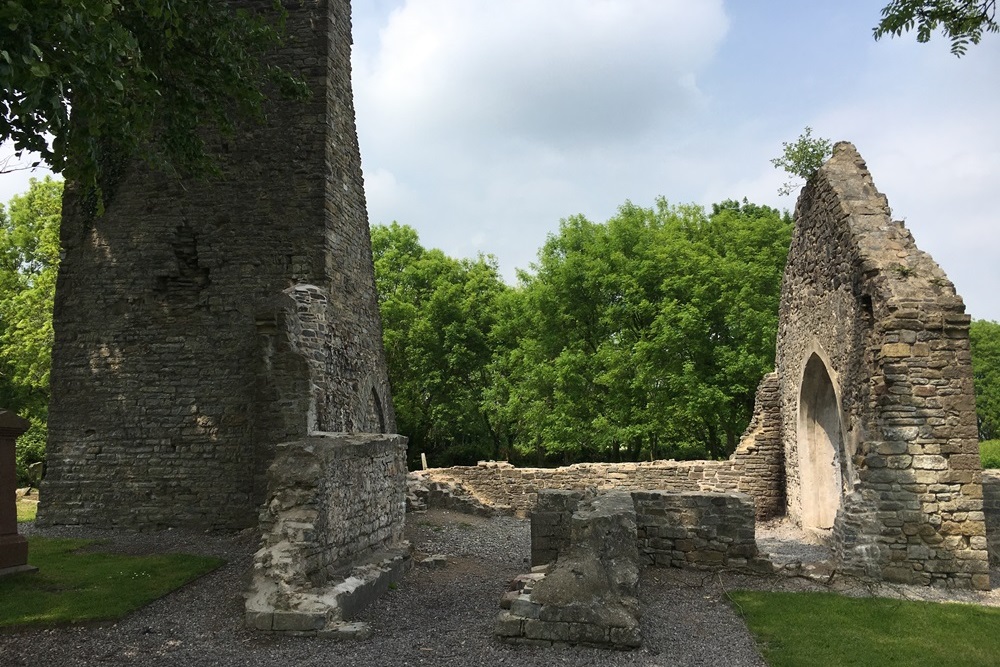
437 317
87 82
29 258
964 22
802 159
985 339
642 337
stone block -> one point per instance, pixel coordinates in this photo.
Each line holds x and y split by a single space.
259 620
546 630
588 633
523 607
298 621
508 625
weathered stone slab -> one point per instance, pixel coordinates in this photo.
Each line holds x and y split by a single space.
589 594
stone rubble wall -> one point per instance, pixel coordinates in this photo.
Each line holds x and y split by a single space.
331 530
685 529
891 333
697 530
991 509
161 410
756 469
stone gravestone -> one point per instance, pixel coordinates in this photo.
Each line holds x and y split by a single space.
13 547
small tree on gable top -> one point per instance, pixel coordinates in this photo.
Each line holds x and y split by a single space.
802 159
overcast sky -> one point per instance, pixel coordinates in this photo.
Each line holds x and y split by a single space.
483 123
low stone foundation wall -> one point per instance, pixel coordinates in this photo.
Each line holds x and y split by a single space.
696 530
500 484
699 530
331 532
587 549
756 469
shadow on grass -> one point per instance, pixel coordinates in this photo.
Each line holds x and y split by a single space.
73 586
825 629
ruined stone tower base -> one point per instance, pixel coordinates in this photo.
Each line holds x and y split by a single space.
200 323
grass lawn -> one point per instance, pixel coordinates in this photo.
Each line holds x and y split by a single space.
71 586
820 629
989 452
26 511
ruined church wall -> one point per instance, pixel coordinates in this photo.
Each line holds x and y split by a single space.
893 336
756 468
159 413
684 529
333 498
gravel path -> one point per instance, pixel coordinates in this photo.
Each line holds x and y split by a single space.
436 617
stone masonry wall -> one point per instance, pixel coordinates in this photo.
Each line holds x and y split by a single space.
695 530
174 359
991 509
756 468
335 511
867 314
688 529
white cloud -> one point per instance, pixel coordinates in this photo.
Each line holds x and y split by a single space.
560 72
499 117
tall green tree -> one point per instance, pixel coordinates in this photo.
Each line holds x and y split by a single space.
645 336
29 259
964 22
88 82
985 338
437 317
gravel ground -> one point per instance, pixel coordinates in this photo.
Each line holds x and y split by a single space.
436 616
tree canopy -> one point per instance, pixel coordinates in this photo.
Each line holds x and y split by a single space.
83 80
641 337
964 22
437 317
645 336
29 259
985 339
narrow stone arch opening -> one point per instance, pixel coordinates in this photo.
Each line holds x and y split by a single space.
820 447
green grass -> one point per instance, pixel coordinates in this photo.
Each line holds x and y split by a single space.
26 511
989 452
824 629
73 586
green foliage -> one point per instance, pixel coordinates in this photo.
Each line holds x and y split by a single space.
962 21
86 81
802 158
642 337
437 318
73 586
984 336
29 260
989 453
828 630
